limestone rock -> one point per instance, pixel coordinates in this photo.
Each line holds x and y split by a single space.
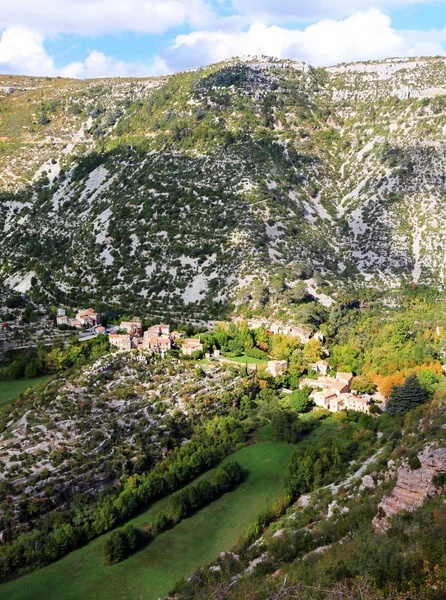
368 482
412 487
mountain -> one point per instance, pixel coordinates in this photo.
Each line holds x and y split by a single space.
223 183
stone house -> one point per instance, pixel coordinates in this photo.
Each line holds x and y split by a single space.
299 332
121 341
345 377
277 367
321 366
133 327
156 343
176 335
256 323
88 316
355 403
62 320
190 346
323 398
165 329
339 387
153 331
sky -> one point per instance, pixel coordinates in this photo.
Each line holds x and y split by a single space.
110 38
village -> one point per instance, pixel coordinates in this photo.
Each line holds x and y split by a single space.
333 393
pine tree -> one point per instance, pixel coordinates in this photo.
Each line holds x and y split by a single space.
43 117
406 396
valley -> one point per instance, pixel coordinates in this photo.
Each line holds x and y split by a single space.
176 553
223 333
110 438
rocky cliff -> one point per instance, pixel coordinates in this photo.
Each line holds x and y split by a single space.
413 486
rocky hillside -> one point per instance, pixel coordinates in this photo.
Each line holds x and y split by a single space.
121 413
379 530
184 192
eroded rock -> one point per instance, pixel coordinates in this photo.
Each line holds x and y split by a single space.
412 487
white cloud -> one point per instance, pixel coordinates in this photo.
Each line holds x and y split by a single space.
363 36
302 10
22 52
98 64
96 17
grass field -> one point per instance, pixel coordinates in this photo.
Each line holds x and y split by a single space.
151 573
248 359
11 390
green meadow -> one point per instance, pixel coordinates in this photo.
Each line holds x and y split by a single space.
152 572
11 390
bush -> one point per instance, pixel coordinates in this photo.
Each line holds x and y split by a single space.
439 480
122 543
256 353
414 462
287 427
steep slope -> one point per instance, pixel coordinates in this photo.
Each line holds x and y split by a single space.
334 541
176 192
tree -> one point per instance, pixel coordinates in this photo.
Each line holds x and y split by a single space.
43 117
300 293
261 338
115 548
32 368
428 379
287 427
388 382
300 401
346 358
134 537
313 350
406 396
259 293
363 384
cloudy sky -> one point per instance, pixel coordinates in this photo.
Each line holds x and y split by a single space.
100 38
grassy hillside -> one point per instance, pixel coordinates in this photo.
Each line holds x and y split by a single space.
153 571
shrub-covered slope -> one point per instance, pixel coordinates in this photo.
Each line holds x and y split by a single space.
179 190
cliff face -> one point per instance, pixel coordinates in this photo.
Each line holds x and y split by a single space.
412 486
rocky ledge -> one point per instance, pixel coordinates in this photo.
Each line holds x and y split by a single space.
412 488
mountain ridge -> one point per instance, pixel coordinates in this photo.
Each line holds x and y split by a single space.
195 189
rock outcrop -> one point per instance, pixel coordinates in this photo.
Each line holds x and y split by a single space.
412 487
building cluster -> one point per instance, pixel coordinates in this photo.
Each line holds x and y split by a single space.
84 318
157 338
333 393
274 327
130 334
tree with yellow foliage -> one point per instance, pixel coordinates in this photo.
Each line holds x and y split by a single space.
313 351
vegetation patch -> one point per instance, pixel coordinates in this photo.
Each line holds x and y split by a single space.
11 390
154 570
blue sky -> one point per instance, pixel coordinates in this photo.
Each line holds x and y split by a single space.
100 38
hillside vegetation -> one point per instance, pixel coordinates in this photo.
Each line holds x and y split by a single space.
175 553
191 191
